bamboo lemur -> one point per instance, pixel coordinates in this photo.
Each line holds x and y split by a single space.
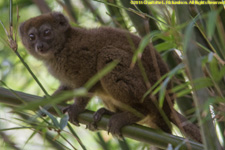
74 55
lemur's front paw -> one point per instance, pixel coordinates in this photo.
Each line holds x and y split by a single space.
73 112
97 117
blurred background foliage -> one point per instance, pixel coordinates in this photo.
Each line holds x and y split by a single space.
191 39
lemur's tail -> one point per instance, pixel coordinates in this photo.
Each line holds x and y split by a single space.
190 130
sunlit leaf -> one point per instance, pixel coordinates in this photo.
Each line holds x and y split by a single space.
164 46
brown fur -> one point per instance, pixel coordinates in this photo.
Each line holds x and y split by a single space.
74 55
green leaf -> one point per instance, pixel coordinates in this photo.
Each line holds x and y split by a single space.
221 73
214 70
165 46
164 36
211 23
31 136
156 87
54 120
162 88
173 18
144 42
53 100
189 33
183 92
91 82
180 87
63 122
203 82
163 91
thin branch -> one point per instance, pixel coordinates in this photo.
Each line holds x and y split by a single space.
88 4
13 45
70 11
6 32
144 15
67 6
142 134
116 15
42 5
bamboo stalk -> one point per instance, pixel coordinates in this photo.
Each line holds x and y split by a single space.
136 132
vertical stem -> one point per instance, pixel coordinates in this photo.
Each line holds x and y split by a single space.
10 13
11 19
42 5
13 45
116 15
70 11
32 74
201 96
89 5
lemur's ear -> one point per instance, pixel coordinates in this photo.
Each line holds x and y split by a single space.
61 21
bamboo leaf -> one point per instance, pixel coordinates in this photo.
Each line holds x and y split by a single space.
163 87
203 82
216 72
221 73
189 33
53 100
183 92
173 18
156 88
165 46
54 120
91 82
63 122
163 91
138 53
211 23
180 87
30 137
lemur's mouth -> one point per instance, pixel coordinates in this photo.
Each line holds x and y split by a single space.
42 51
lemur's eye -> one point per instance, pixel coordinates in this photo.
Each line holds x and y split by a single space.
32 37
47 32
